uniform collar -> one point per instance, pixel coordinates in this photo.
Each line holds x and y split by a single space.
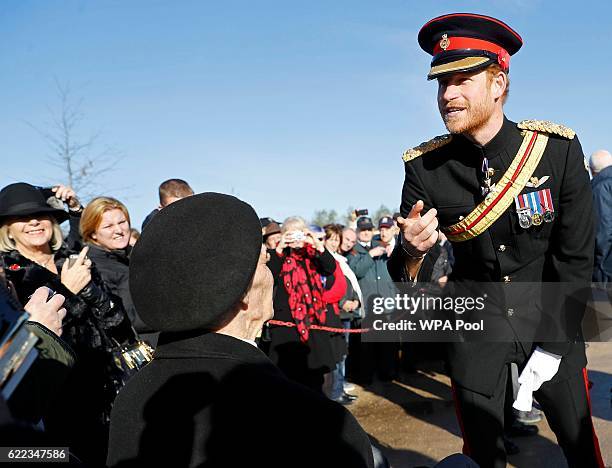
498 144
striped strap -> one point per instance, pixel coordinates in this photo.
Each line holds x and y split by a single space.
509 186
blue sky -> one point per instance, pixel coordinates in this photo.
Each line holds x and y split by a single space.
292 106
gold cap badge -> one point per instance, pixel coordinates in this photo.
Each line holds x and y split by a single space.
444 42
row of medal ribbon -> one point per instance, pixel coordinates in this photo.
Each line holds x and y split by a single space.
534 208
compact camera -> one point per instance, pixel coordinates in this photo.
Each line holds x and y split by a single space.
297 236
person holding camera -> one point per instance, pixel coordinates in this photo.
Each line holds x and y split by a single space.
297 264
31 248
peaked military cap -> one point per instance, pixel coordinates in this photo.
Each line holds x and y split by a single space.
194 262
461 42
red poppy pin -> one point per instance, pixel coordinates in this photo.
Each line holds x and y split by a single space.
503 58
14 267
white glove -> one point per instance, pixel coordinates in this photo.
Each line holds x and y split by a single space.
541 367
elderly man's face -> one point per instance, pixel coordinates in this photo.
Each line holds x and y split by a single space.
386 234
365 235
349 238
465 101
272 240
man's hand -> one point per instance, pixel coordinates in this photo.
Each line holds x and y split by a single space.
48 313
318 244
350 306
67 195
389 250
377 251
420 233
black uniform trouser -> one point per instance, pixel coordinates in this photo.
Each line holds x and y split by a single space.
565 405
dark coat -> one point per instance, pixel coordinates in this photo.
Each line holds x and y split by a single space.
94 323
561 251
335 287
73 240
299 361
349 295
602 200
372 273
148 219
92 318
114 268
212 400
45 376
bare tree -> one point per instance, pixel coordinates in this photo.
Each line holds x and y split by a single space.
82 159
323 217
380 212
350 216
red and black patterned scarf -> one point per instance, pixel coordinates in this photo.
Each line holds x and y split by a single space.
304 288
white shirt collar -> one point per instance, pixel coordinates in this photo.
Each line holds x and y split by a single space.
247 341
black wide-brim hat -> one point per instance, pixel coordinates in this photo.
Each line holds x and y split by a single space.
21 199
194 262
462 42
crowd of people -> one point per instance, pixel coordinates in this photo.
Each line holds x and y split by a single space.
323 276
153 347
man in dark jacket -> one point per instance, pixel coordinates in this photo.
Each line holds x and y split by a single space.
514 199
210 397
170 191
601 167
368 259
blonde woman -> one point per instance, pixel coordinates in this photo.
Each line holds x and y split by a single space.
106 230
31 248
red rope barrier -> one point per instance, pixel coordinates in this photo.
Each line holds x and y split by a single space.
320 327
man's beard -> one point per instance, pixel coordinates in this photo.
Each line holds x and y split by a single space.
474 117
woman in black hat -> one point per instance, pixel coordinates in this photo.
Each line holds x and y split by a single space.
31 247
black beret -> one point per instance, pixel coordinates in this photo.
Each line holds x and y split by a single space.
461 42
194 262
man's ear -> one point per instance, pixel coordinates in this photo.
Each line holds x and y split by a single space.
93 236
499 83
243 304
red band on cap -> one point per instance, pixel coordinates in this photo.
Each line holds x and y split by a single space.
456 43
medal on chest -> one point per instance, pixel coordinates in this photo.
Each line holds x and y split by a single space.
486 187
534 208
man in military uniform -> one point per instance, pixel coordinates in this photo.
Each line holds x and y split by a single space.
515 202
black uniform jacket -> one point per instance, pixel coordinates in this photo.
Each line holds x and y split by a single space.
211 400
449 179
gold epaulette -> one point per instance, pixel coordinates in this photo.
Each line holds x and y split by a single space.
547 126
426 147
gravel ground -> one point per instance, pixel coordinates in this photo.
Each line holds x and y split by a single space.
413 421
